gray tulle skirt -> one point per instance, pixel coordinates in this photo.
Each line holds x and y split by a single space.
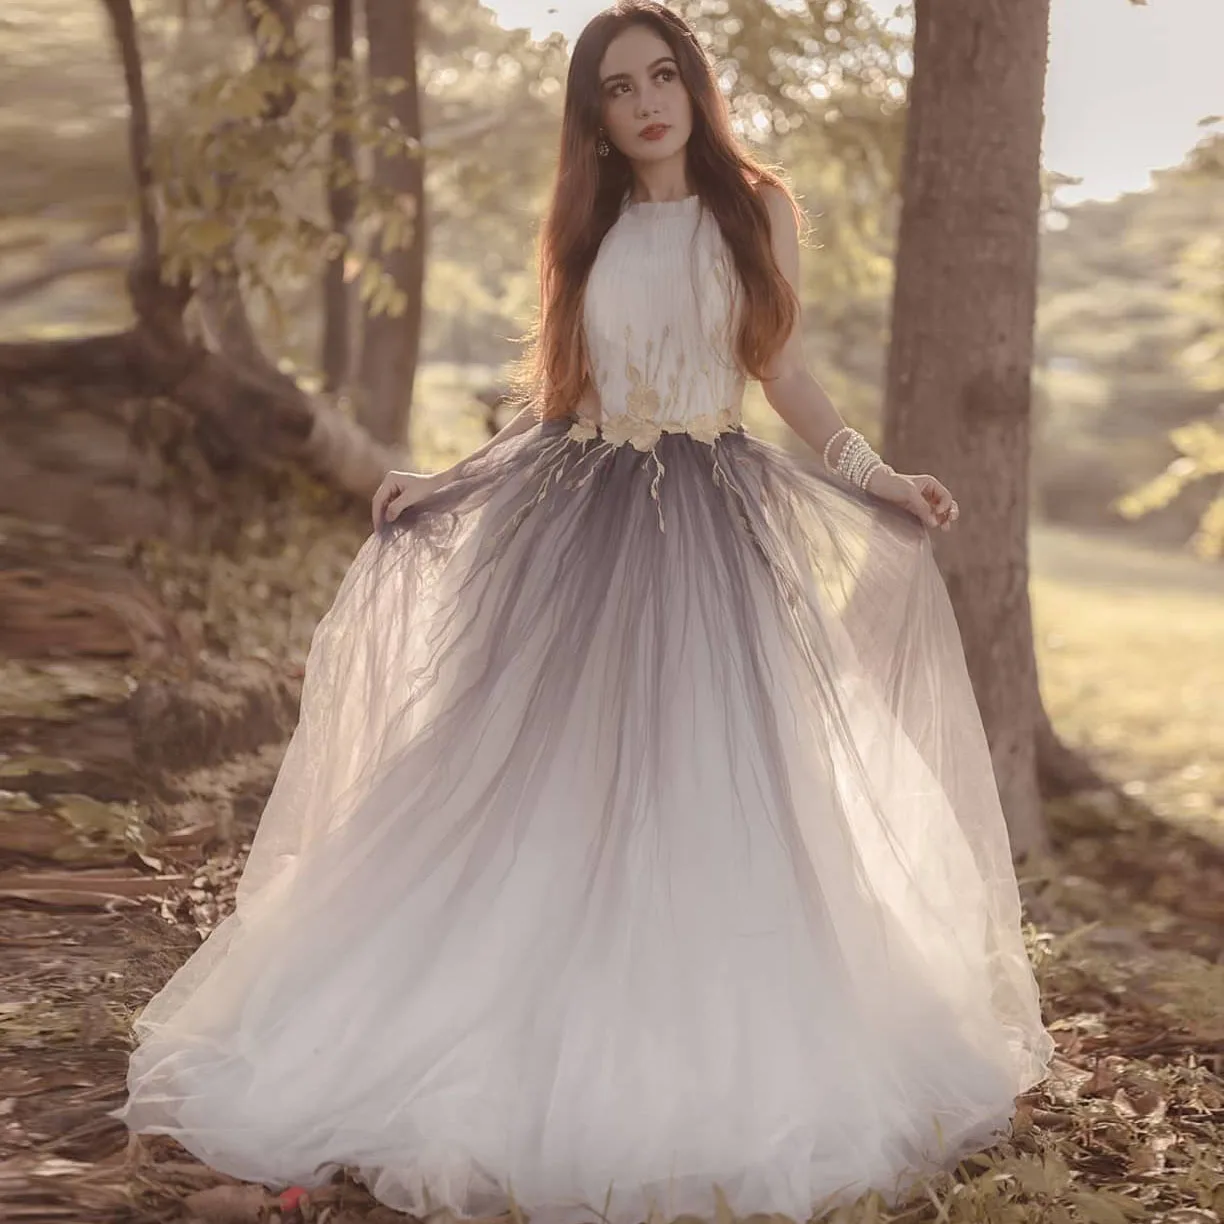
638 843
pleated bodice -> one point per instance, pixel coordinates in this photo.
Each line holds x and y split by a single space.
659 317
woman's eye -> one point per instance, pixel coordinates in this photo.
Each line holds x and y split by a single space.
665 74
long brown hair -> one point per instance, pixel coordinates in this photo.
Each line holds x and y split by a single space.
586 202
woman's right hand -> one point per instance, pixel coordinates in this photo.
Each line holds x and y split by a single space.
398 491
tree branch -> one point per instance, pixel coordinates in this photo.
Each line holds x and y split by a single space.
140 150
341 201
158 306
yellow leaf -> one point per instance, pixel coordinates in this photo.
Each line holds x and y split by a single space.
208 235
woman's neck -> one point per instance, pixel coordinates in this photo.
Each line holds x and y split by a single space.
660 182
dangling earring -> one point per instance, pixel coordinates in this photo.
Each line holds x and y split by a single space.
602 147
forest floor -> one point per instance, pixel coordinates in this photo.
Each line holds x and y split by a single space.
130 789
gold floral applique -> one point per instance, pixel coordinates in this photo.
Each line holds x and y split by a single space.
708 425
650 400
652 404
622 428
583 431
586 424
643 400
639 423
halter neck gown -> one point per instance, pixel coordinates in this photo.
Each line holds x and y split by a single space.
638 841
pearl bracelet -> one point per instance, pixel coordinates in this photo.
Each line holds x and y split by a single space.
829 443
857 461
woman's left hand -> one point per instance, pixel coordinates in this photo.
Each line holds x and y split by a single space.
398 491
923 496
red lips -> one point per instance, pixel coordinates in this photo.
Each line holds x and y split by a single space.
655 131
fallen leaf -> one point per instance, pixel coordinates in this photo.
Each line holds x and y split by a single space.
228 1204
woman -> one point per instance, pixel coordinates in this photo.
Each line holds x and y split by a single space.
639 835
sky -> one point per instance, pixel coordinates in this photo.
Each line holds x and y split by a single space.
1126 88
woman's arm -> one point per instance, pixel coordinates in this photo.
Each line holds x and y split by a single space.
796 396
792 391
399 490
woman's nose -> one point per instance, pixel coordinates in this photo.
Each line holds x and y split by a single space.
647 102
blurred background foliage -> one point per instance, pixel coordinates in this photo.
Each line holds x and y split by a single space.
1131 330
1130 356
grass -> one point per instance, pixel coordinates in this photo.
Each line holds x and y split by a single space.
1130 648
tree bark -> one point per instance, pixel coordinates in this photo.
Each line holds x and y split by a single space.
1060 769
958 383
391 345
341 202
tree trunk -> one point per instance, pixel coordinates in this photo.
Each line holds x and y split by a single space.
246 416
391 345
958 389
341 202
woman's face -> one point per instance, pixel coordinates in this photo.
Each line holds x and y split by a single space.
645 107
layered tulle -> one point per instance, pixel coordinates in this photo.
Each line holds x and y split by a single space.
639 835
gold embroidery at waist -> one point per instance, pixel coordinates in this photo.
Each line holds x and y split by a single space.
643 433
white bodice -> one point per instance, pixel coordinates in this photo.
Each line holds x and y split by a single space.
658 315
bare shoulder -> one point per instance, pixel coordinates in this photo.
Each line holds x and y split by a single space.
781 208
773 195
783 226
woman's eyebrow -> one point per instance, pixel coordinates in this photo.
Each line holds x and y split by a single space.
625 76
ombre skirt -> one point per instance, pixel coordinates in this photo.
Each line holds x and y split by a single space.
638 845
